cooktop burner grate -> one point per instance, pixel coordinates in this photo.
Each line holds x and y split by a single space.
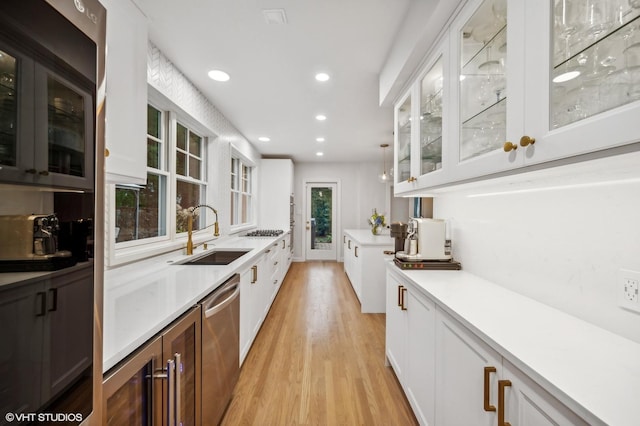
265 233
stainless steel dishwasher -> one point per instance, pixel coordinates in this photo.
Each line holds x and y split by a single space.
220 349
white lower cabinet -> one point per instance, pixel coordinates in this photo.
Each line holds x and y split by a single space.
410 346
452 377
464 366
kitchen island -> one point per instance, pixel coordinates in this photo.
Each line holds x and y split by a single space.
364 263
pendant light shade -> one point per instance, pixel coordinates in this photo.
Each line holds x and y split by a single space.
384 177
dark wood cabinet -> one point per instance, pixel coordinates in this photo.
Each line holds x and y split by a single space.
160 383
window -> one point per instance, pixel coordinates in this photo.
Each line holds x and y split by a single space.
241 192
190 188
141 210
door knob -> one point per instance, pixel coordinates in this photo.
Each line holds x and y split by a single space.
526 140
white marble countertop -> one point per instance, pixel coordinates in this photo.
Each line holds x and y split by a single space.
142 298
591 370
364 237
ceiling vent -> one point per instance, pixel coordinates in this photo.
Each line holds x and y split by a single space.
274 16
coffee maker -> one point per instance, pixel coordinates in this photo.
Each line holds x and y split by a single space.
425 241
30 243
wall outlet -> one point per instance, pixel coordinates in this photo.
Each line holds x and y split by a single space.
627 287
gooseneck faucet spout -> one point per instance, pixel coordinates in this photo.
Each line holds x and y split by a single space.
216 228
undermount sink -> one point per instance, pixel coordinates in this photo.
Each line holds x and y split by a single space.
217 257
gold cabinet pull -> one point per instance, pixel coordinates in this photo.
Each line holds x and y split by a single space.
501 385
411 179
400 295
106 152
344 239
356 251
487 376
508 146
349 245
527 140
404 308
254 279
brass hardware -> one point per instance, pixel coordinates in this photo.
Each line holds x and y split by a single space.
526 140
106 152
31 171
487 374
204 246
283 244
501 385
356 251
254 278
399 295
508 146
43 172
344 239
216 228
308 225
404 308
411 179
349 245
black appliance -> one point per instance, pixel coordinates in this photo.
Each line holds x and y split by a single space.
51 65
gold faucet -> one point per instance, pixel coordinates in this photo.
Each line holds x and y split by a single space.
216 228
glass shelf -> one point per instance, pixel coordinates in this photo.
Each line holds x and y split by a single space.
602 73
483 89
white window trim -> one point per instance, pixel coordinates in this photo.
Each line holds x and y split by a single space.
131 251
235 154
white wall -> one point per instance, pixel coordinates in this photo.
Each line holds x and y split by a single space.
560 242
360 193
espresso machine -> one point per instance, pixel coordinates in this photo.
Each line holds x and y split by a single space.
425 241
30 243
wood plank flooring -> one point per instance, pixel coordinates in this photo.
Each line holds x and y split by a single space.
317 360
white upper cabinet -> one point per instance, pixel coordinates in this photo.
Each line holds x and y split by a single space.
528 82
126 93
419 129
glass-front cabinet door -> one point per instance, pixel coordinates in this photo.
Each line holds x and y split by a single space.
583 92
487 88
421 131
402 154
46 125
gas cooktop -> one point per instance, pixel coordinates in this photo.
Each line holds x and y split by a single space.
265 233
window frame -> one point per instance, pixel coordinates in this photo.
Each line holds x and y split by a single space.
252 210
128 251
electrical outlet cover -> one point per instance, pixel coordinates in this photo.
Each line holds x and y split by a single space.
627 286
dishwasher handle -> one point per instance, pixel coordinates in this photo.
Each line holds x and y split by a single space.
212 306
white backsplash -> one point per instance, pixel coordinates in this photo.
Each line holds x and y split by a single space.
560 242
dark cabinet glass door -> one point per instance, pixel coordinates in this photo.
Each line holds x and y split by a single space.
8 109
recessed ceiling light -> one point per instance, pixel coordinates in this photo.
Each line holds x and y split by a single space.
319 139
264 139
321 117
218 75
319 153
322 76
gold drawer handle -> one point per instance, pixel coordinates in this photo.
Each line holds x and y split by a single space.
501 385
404 308
526 140
487 376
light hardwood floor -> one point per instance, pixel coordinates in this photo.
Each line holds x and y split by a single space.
317 360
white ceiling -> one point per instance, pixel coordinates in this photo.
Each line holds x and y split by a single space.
272 91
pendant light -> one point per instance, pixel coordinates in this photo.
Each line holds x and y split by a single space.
384 176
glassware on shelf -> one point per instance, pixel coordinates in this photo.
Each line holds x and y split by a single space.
431 119
404 140
482 83
595 62
8 110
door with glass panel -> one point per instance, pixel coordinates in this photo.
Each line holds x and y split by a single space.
321 227
583 91
488 86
